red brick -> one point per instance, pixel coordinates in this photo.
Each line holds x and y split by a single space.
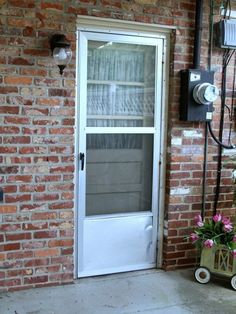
9 129
60 243
51 6
20 22
17 198
67 251
48 101
2 256
20 178
18 236
44 216
61 205
20 61
8 89
8 209
16 140
45 234
9 110
8 150
178 224
16 120
10 282
29 31
10 247
37 279
37 52
47 252
45 197
62 169
61 131
32 188
35 226
37 262
10 227
22 3
31 207
18 80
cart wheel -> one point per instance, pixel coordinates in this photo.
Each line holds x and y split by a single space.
233 282
202 275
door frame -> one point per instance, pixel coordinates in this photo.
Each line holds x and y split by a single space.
124 28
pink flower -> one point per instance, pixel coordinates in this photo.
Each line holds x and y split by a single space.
234 238
208 243
228 227
217 218
234 253
198 220
226 221
194 237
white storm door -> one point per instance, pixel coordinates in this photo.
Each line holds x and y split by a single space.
119 96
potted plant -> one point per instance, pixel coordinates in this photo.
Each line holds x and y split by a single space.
216 237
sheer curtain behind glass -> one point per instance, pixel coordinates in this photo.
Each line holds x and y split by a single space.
120 93
121 80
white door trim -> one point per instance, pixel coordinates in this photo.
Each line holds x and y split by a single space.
165 35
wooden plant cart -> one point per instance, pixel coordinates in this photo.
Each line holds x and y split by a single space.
218 260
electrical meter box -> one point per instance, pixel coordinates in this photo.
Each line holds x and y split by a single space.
197 95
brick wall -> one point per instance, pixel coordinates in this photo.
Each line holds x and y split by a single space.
37 108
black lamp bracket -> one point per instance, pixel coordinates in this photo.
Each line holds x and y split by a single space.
60 41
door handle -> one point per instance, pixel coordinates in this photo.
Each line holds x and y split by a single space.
81 158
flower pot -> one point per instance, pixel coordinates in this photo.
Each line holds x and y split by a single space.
216 260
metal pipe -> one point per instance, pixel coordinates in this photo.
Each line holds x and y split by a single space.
198 34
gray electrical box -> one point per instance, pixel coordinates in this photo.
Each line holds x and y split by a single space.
225 34
190 109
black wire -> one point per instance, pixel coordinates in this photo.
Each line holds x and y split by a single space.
216 139
225 8
229 3
226 59
231 115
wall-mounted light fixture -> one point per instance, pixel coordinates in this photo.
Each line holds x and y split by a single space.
61 51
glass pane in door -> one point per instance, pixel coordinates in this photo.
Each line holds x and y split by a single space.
121 85
119 173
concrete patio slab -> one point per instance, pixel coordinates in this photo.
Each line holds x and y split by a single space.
151 292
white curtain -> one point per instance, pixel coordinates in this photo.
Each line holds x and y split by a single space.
120 91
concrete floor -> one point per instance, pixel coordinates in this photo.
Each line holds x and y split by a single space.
150 292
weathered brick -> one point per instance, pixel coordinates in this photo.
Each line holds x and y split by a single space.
37 279
47 252
44 216
35 226
17 198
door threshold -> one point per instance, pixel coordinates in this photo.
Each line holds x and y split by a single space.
116 270
114 276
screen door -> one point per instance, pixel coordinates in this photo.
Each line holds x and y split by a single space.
119 99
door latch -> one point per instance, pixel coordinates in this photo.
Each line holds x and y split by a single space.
81 158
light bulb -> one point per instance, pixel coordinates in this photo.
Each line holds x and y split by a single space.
62 56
